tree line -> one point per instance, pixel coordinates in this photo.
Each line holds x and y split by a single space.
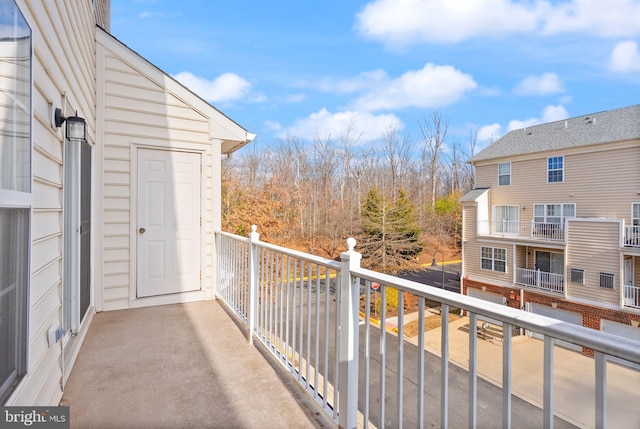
396 197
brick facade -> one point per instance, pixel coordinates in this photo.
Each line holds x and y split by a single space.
591 315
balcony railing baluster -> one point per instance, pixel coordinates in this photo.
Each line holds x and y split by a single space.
265 286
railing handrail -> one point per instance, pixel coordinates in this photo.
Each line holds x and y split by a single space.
274 297
604 342
234 236
325 262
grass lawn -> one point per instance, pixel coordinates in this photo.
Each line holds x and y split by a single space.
430 322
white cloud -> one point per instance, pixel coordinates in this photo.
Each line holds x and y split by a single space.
324 124
401 23
398 23
549 114
545 84
492 132
489 133
554 113
226 87
363 81
625 58
431 86
610 18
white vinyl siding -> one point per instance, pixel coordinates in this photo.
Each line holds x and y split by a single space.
584 185
141 111
593 246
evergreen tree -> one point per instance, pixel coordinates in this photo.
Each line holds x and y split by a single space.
390 234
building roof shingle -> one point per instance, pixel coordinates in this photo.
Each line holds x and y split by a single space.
595 128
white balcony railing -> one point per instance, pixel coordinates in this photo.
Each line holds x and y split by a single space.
540 280
304 311
632 236
632 296
530 230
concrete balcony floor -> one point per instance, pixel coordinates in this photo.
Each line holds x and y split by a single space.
179 366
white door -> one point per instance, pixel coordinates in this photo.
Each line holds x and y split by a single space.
168 229
628 272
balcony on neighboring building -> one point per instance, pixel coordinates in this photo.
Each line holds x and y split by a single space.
631 296
632 236
538 279
523 230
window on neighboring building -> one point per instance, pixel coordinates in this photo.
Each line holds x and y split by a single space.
555 169
504 174
577 275
607 280
494 259
635 214
506 219
15 194
553 213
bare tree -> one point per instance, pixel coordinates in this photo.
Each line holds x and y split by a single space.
397 152
434 133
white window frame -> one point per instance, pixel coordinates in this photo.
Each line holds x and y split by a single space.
554 170
13 199
548 217
635 214
502 174
576 275
607 280
493 259
505 224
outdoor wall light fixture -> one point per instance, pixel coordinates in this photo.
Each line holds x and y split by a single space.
76 126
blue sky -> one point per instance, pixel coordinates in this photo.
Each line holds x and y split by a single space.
318 68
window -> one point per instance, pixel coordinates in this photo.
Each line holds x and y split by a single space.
607 280
549 262
553 213
635 214
577 275
504 174
555 169
494 259
15 194
506 219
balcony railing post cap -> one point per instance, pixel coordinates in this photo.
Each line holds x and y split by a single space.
254 228
351 243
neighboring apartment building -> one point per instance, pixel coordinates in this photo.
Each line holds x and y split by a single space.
553 224
86 223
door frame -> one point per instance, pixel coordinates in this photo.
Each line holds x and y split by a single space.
73 258
628 270
550 252
197 295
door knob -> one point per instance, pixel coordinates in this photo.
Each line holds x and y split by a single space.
142 230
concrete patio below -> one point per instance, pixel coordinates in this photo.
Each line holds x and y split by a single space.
179 366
